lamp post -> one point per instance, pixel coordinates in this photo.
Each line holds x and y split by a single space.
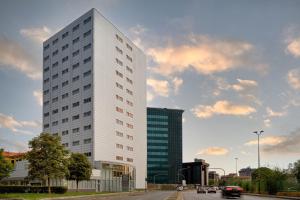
180 173
258 152
236 159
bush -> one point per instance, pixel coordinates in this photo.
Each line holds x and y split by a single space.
289 194
32 189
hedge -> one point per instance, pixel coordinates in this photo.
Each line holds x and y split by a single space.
289 194
32 189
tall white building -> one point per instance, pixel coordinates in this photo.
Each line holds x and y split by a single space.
94 90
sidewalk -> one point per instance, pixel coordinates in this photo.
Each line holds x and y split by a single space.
272 196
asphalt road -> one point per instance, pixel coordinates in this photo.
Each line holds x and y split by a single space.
153 195
192 195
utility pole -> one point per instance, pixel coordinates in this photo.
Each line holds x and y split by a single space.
258 152
236 159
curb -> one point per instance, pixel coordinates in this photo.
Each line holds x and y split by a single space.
272 196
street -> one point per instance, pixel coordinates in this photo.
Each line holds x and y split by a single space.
192 195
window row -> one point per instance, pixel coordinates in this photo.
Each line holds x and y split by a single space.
120 134
120 122
77 142
121 76
121 41
121 158
120 146
121 110
118 85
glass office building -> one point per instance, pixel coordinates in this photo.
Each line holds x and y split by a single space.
164 145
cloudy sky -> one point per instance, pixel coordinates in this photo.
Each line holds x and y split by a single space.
233 66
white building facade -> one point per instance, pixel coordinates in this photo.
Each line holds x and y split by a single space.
94 95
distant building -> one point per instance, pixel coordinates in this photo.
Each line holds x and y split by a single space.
195 172
13 157
213 177
246 171
164 145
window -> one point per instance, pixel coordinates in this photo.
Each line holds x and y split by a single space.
118 133
129 137
87 60
119 50
76 27
66 132
65 47
86 87
119 38
118 109
65 35
129 80
55 100
55 88
75 130
87 141
88 46
46 114
46 125
65 59
87 100
119 98
46 58
65 144
46 47
75 53
87 33
65 108
86 114
54 53
87 20
129 114
46 92
119 85
129 58
87 127
119 62
119 74
87 73
76 78
75 143
129 160
76 65
119 146
55 41
129 91
55 64
128 47
129 69
55 76
65 83
119 157
75 117
64 95
76 104
76 40
75 91
129 126
129 148
55 123
65 120
88 154
65 71
119 122
46 69
46 103
46 80
55 111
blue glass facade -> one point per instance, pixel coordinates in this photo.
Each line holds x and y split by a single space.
164 144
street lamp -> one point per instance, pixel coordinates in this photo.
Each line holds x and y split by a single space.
180 173
236 159
258 153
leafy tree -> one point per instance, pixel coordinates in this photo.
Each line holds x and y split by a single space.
5 166
47 158
79 168
296 170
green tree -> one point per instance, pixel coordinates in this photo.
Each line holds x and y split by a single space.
296 170
79 168
5 166
47 158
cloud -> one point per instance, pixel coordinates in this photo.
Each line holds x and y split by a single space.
290 144
159 87
177 82
293 78
38 35
216 151
38 96
138 29
205 55
271 113
11 123
244 84
293 47
267 123
14 56
150 96
222 108
14 146
269 140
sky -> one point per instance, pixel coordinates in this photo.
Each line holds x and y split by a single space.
232 66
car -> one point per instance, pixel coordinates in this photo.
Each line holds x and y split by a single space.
232 191
201 189
179 188
211 190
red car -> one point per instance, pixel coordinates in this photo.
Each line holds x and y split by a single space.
232 191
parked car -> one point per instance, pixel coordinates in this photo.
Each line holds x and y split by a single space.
212 190
179 187
232 191
201 189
